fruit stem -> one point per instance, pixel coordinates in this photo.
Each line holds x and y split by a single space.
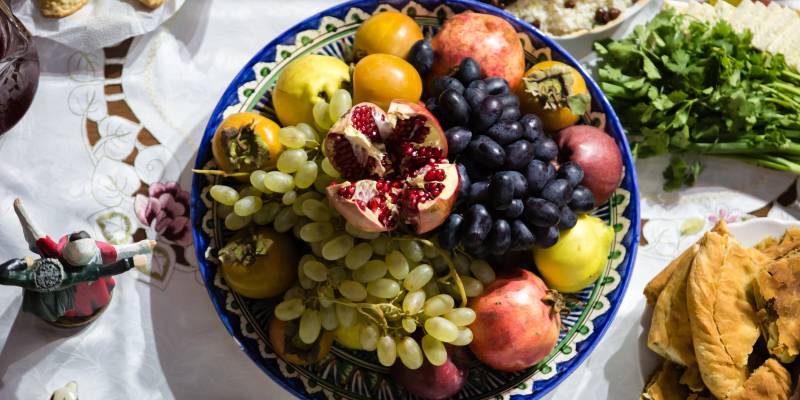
454 274
218 172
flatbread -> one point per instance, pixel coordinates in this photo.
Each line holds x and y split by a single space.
776 249
60 8
669 336
723 322
778 297
771 381
691 378
152 3
664 384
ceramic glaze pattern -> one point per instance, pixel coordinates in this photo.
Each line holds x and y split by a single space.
358 375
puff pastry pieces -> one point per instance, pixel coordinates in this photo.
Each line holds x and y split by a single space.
771 381
775 249
152 3
60 8
664 384
778 299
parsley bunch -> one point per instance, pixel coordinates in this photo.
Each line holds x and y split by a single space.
681 86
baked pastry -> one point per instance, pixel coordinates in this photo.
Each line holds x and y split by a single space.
152 3
775 249
778 297
723 322
659 282
60 8
691 378
664 384
669 336
771 381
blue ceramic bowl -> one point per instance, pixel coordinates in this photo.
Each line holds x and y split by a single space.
352 374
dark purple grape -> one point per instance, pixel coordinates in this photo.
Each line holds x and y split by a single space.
454 108
557 192
477 250
446 82
538 174
486 114
468 71
458 139
463 190
475 93
421 57
510 113
582 200
546 237
486 152
499 240
477 224
505 132
519 154
477 172
433 106
532 127
450 231
509 100
541 213
519 182
496 85
514 209
478 192
501 191
546 149
521 236
568 218
571 172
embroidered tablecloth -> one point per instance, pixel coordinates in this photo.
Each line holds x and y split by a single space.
107 147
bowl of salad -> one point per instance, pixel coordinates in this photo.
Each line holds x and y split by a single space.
415 199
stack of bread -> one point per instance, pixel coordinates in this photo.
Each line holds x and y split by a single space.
63 8
712 305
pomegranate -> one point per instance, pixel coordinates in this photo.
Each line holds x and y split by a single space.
395 165
517 322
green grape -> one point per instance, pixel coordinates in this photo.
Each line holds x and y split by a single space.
297 207
299 224
311 134
247 206
409 325
387 351
316 270
352 290
461 316
234 222
257 181
316 210
383 288
464 337
472 286
368 337
290 309
358 256
328 168
461 262
289 198
310 325
321 115
440 266
285 220
418 277
397 264
441 328
223 211
337 247
322 183
431 288
329 320
434 350
381 245
267 213
224 194
278 182
306 174
340 104
295 292
292 138
482 270
290 160
430 252
249 191
349 228
412 250
346 315
413 302
409 352
326 296
316 248
336 275
438 305
316 231
371 271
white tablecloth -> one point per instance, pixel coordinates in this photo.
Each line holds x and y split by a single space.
78 164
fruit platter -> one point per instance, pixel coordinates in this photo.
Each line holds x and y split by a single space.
415 200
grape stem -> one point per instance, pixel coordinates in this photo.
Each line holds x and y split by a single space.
218 172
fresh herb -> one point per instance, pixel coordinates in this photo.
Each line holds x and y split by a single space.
684 87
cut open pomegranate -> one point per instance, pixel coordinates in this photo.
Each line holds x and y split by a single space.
396 168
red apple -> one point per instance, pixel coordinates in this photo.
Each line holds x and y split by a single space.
430 382
517 321
597 154
489 40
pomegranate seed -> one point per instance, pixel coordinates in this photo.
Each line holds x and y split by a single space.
360 204
364 121
374 204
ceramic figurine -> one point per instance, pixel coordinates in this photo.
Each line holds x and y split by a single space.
71 283
68 392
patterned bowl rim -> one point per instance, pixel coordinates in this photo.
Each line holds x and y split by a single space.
231 97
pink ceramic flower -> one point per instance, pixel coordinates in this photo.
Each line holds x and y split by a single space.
167 211
723 214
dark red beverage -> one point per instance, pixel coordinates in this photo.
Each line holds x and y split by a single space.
19 69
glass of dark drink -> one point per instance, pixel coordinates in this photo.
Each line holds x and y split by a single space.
19 69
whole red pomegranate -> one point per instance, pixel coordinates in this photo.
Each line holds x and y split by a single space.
489 40
517 322
396 168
